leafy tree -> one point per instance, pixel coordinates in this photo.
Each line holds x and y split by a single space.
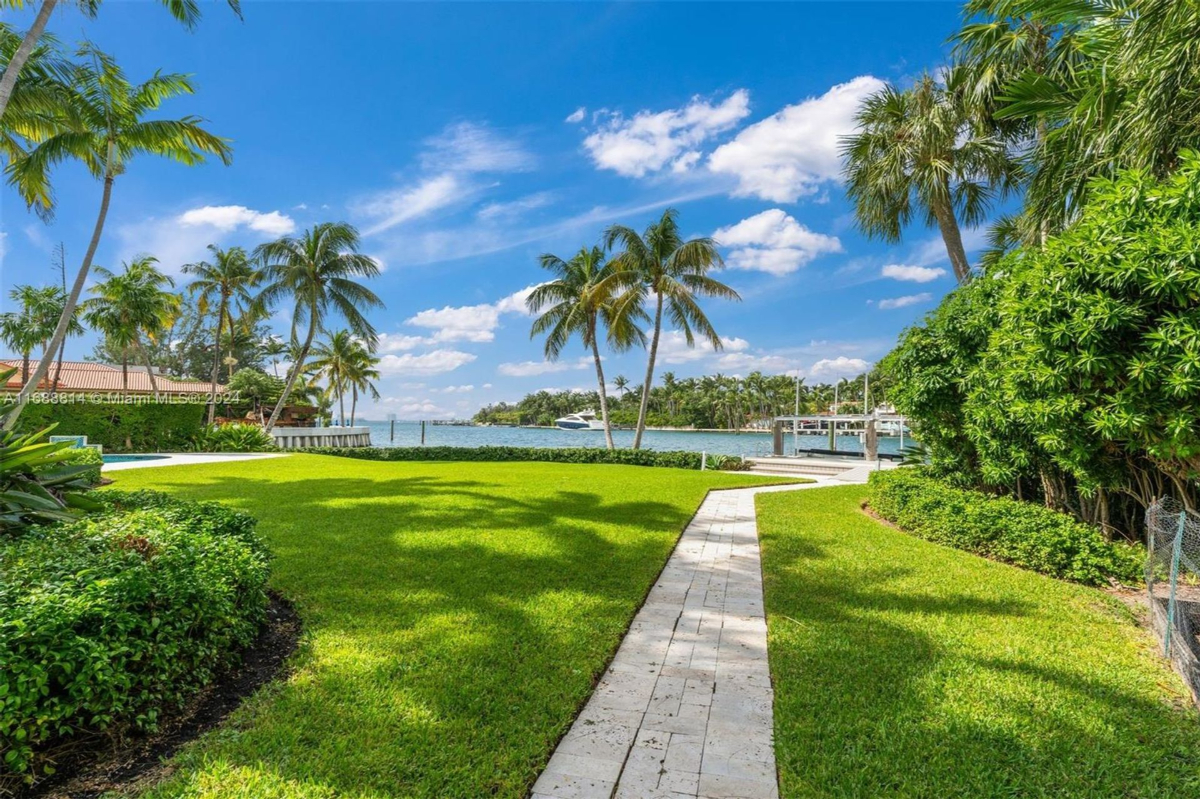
660 263
316 273
103 126
919 150
1070 372
577 301
222 287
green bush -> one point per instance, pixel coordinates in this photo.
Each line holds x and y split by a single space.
628 457
136 427
1005 529
235 437
107 621
83 456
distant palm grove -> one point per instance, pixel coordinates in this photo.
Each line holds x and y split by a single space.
714 402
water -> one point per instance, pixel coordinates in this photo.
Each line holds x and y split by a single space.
131 458
408 434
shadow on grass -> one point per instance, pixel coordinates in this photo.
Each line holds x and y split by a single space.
900 674
455 625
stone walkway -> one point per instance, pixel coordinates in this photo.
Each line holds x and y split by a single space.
685 708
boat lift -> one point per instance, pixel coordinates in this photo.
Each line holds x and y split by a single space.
867 425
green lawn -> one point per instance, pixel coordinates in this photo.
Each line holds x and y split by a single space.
456 616
906 669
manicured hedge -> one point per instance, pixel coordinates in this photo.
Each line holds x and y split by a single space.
106 621
141 427
1009 530
628 457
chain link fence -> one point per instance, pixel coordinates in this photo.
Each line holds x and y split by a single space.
1173 584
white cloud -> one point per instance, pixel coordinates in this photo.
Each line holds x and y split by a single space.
840 366
227 218
182 238
396 206
649 141
790 154
475 323
912 273
905 301
449 160
773 242
433 362
531 368
576 116
515 208
673 347
470 147
399 342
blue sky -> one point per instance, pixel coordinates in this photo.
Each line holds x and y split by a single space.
465 139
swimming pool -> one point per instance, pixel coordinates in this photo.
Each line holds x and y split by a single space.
133 458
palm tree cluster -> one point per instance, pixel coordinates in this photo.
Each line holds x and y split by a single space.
1040 98
56 108
712 402
657 269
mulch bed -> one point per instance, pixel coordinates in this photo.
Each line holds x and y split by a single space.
87 768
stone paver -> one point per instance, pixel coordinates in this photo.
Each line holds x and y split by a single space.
684 710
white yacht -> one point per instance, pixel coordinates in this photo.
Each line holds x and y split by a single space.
584 420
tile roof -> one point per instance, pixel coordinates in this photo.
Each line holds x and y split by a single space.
87 376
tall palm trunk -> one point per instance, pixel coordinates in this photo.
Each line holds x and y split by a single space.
212 400
13 70
60 331
608 439
125 373
137 343
24 366
641 423
62 349
952 237
353 402
295 372
341 407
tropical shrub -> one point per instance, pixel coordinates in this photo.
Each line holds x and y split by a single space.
37 482
1069 373
629 457
107 621
136 427
83 456
1020 533
236 437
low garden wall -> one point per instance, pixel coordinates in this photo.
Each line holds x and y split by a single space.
1005 529
309 437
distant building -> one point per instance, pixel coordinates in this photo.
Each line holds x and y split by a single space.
85 377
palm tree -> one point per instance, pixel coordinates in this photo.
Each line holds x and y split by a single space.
621 383
331 362
675 272
186 12
360 375
104 128
575 303
273 347
220 286
33 325
316 273
917 148
129 305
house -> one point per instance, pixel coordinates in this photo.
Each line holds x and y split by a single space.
85 377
